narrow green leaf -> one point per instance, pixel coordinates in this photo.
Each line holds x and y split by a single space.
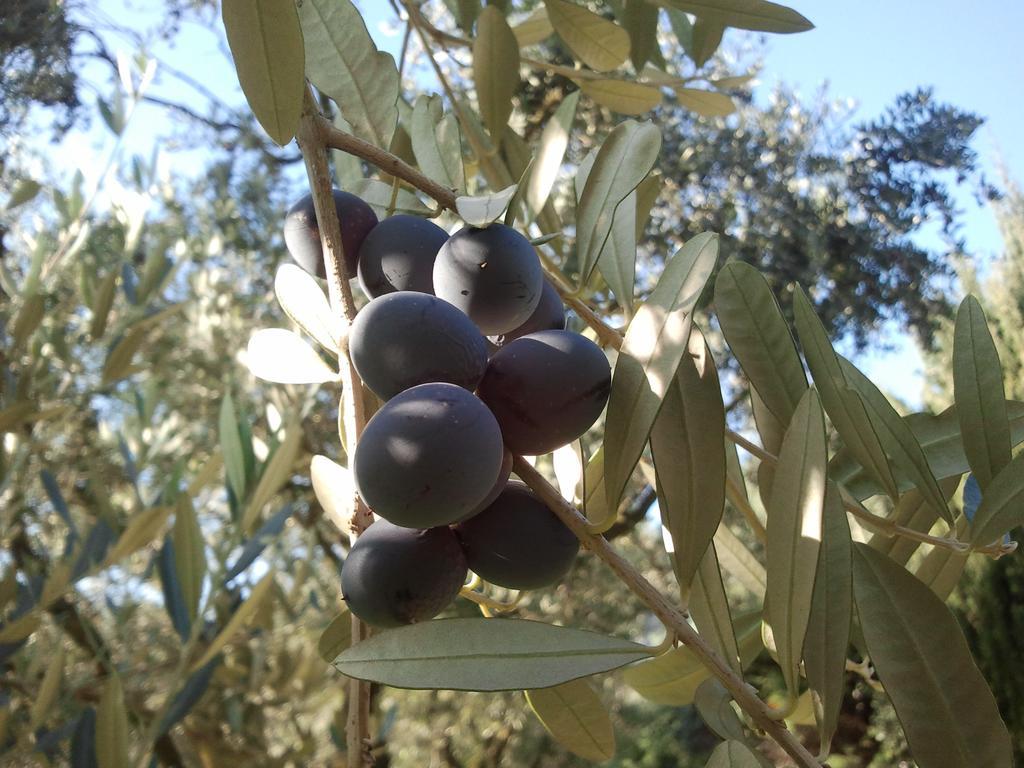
437 145
617 261
705 103
575 717
550 152
144 528
275 474
828 628
759 337
112 726
709 607
640 20
482 210
922 659
794 533
707 36
189 555
46 697
18 629
495 70
28 319
24 190
733 754
119 359
622 162
343 62
334 489
597 42
714 705
939 437
897 439
844 406
757 15
377 195
534 29
646 196
102 303
336 637
740 562
231 446
239 619
941 569
283 357
688 448
622 96
1002 504
484 655
915 512
683 29
655 343
266 43
302 299
979 394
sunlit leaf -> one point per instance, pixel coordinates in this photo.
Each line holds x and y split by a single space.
343 62
575 717
266 43
739 562
550 152
916 646
688 448
979 393
119 359
231 447
48 689
617 262
23 191
302 299
334 489
705 103
481 210
112 726
794 532
437 145
495 69
599 43
484 655
757 15
336 637
655 343
622 96
18 629
239 619
282 356
828 628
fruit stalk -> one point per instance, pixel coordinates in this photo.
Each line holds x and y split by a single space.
314 154
761 714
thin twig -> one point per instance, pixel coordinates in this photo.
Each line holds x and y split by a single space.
669 615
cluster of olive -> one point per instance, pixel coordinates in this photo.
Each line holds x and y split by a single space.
434 462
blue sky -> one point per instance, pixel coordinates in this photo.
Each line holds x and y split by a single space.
869 52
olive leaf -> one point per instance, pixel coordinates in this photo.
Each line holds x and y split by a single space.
828 627
979 394
378 195
733 754
239 619
622 96
705 103
437 144
756 15
655 342
189 555
143 528
302 299
334 489
640 20
112 726
484 655
495 69
275 474
534 29
283 357
688 449
554 140
622 162
709 606
336 637
597 42
617 262
266 43
482 210
575 717
343 62
794 533
943 702
1002 504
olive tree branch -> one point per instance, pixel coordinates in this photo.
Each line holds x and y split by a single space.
312 140
668 614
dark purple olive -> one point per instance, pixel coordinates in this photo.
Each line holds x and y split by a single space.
548 316
517 542
491 274
302 233
546 389
394 576
403 339
398 255
428 457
